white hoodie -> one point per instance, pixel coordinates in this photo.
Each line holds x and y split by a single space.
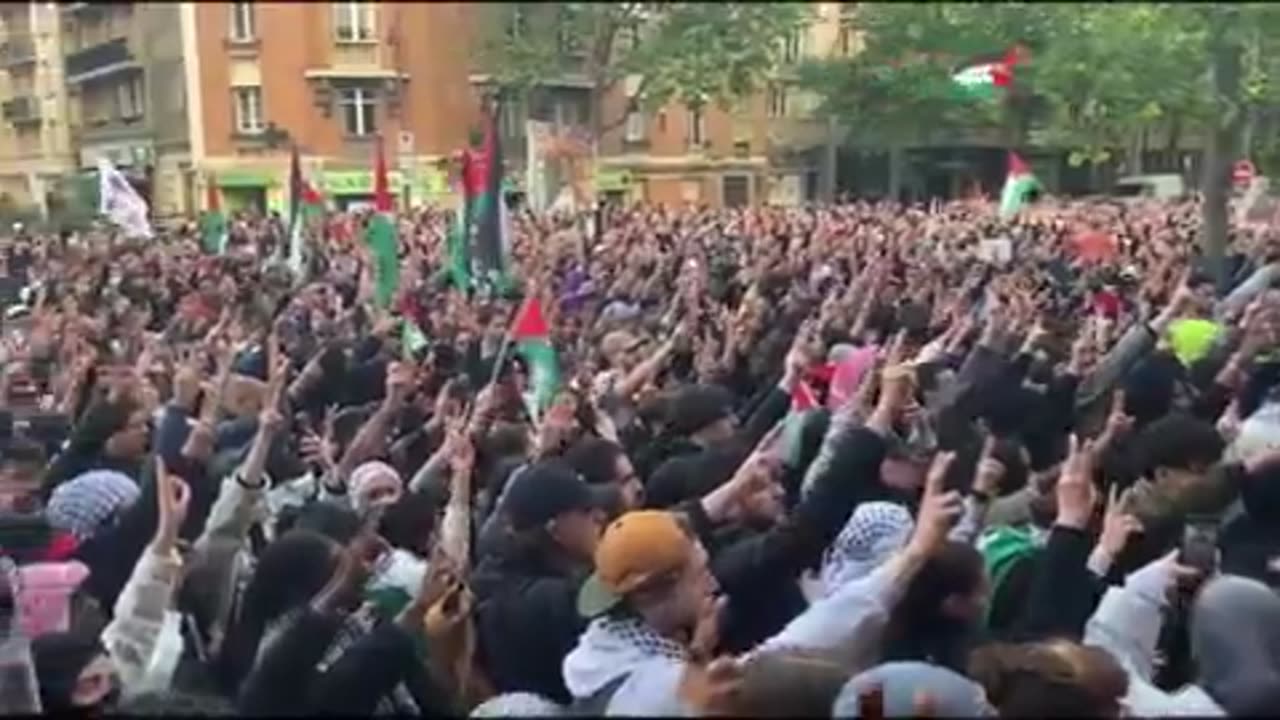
847 622
1127 624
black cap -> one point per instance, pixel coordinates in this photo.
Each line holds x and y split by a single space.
696 407
543 491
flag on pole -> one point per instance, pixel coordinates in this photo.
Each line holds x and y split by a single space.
984 80
487 209
803 398
532 339
213 225
121 203
458 259
297 248
412 339
1018 184
380 233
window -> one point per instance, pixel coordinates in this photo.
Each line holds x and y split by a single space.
511 119
777 101
791 47
248 109
358 111
634 131
697 127
242 21
353 21
129 99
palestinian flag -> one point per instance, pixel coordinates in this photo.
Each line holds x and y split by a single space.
1018 185
803 398
489 236
985 79
213 225
304 203
458 259
380 233
532 339
412 339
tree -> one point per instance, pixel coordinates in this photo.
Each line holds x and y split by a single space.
695 53
898 89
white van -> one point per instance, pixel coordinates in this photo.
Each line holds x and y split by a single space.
1157 187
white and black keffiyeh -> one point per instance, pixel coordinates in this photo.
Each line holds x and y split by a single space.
873 533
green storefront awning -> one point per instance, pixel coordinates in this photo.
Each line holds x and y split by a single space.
612 180
357 182
243 179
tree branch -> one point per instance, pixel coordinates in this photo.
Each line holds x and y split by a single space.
633 104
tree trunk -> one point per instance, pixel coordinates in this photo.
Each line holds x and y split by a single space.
1135 153
1225 57
896 158
829 161
1172 154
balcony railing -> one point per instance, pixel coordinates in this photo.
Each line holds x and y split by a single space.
17 52
22 109
98 57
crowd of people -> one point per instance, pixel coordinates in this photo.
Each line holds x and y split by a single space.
854 460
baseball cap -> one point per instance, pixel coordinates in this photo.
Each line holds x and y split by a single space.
634 549
543 491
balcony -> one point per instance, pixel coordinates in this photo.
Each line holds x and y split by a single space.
100 60
17 51
21 110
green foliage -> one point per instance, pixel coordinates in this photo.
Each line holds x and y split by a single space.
691 52
1098 74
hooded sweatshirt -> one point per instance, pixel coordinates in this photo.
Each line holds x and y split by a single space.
647 668
1127 624
1235 638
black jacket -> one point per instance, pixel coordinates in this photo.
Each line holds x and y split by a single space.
527 621
691 472
285 681
759 572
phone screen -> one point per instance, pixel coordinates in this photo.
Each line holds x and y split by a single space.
1200 546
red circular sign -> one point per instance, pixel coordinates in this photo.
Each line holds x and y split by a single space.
1242 172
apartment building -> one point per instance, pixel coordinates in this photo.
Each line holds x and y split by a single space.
328 78
801 144
676 155
123 65
35 143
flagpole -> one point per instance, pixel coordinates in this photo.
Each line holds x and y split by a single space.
499 360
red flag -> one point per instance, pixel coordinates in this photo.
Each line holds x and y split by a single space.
381 188
802 397
530 324
1017 166
310 195
212 196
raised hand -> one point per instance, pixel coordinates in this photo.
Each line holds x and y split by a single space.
173 500
1118 525
1076 493
990 471
939 508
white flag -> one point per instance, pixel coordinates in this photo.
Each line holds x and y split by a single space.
121 203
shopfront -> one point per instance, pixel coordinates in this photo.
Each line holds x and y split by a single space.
244 190
613 186
353 189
